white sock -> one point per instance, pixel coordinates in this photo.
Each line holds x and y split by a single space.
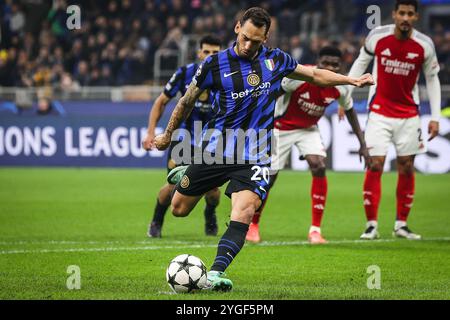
314 228
372 223
399 224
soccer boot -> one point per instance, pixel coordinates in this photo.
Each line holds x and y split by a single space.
211 227
176 174
154 230
371 233
216 282
253 233
405 232
316 238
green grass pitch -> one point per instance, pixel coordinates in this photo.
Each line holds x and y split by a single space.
97 219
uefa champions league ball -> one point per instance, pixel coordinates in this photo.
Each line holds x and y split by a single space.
186 273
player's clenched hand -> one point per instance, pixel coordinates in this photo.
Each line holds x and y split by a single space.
162 141
364 81
433 129
148 143
364 153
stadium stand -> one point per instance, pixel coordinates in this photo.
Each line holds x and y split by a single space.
119 41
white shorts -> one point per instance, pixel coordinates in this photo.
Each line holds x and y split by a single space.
405 134
308 141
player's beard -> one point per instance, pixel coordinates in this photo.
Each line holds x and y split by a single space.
405 29
244 53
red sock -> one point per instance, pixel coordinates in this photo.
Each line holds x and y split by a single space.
372 194
258 213
319 190
405 195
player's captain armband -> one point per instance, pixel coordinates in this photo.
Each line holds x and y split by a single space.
203 76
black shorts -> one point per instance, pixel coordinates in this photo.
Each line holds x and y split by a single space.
200 178
171 163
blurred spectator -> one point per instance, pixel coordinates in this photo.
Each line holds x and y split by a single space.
117 42
44 107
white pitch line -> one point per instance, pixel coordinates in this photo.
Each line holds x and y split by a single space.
207 245
62 242
174 242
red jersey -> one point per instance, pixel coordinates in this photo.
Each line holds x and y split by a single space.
304 103
396 70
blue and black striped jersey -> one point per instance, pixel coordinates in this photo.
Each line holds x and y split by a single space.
202 111
245 92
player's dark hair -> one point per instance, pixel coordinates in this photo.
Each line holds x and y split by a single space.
258 16
210 39
330 51
408 3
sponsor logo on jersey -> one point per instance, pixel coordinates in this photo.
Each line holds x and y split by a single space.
386 52
397 67
412 55
310 108
253 79
263 88
269 64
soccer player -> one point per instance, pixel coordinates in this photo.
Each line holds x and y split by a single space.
246 79
201 113
297 113
400 53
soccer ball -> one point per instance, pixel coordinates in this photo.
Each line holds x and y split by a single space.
186 273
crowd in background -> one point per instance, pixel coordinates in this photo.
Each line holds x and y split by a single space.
117 41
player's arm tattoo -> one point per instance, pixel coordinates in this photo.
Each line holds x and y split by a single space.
183 108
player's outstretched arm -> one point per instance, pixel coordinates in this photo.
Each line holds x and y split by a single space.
325 78
155 114
180 113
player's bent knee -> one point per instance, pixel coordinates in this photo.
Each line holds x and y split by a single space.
179 206
244 213
318 169
376 166
180 210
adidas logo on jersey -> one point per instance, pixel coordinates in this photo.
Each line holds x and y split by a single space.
386 52
305 95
